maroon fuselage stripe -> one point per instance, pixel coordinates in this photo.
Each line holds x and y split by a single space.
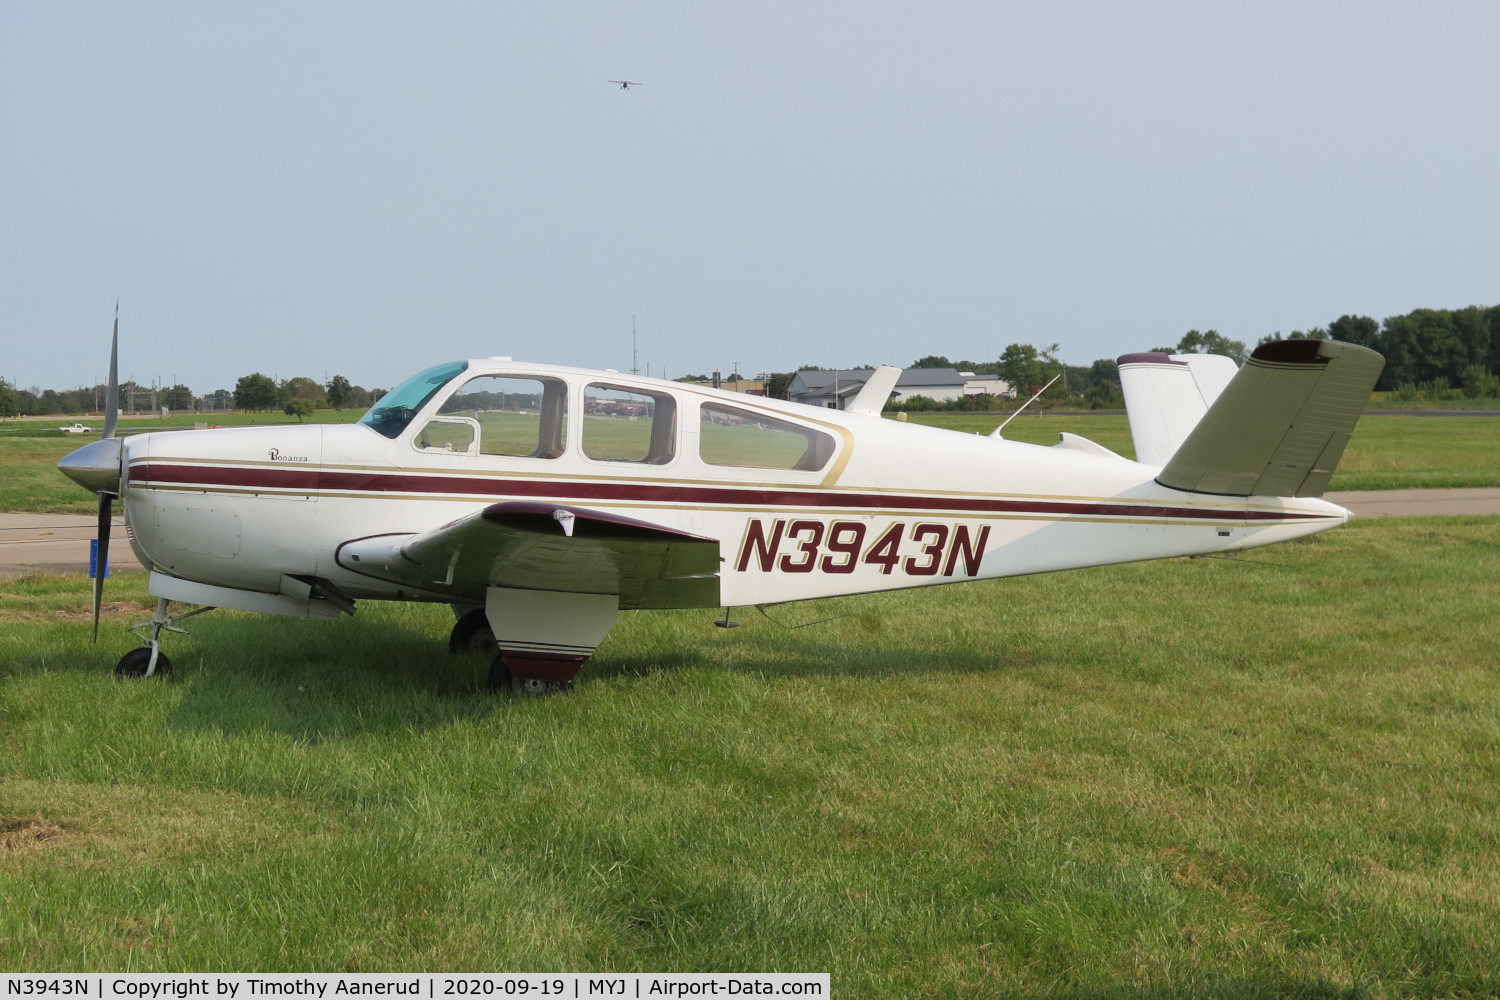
315 480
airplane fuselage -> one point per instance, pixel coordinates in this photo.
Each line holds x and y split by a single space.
867 504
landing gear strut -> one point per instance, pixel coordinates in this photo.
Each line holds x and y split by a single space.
149 660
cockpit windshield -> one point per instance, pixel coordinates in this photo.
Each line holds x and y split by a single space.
393 411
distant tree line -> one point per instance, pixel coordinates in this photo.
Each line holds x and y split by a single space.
16 402
300 396
252 392
1429 353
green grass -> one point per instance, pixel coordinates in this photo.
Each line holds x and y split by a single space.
1109 429
29 450
1384 401
1396 452
1097 784
29 480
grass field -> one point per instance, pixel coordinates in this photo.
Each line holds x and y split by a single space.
1085 785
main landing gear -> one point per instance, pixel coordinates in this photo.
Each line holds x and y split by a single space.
472 634
537 641
501 677
149 660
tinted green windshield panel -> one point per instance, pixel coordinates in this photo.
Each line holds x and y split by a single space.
393 411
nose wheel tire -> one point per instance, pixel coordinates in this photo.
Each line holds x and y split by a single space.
133 664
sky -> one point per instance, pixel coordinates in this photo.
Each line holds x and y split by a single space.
369 188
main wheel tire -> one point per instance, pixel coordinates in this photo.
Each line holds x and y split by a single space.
540 689
472 634
133 664
500 679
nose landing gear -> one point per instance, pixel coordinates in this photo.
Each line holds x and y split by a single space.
149 660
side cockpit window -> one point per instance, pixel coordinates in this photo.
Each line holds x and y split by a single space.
728 435
627 425
501 415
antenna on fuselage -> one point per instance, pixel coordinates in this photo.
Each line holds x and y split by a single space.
996 432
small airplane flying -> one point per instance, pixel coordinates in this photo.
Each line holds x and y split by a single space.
540 501
627 84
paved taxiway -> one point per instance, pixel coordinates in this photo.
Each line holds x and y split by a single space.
59 543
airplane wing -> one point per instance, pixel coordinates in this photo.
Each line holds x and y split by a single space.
1280 426
537 546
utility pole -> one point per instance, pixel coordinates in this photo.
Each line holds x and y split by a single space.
635 366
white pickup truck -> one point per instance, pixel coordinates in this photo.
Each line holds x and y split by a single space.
77 429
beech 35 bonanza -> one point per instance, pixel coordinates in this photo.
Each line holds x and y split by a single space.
540 501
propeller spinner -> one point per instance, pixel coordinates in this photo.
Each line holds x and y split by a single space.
96 466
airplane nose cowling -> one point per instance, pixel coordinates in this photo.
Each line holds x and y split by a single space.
95 466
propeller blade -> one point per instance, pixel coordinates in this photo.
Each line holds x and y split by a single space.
112 394
106 520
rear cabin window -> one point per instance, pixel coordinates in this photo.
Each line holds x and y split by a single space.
502 415
728 435
627 425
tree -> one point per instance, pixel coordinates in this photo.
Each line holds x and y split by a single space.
1316 333
1471 326
10 405
339 392
298 407
1104 370
1021 366
1105 394
179 397
1493 362
776 383
254 392
1479 383
301 387
1054 373
1211 342
1360 330
1420 347
932 361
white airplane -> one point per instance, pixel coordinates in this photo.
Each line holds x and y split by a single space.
540 501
